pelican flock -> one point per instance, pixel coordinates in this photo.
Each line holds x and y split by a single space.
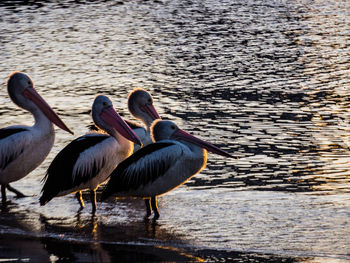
23 148
169 156
156 169
87 161
140 105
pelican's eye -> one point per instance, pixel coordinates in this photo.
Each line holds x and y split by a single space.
105 103
172 127
30 84
149 101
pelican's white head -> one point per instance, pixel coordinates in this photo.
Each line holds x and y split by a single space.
140 104
167 130
107 119
21 90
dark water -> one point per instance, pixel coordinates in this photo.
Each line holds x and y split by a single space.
268 81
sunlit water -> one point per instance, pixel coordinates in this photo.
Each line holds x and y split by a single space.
268 81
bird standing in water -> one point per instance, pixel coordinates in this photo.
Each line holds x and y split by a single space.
23 148
154 170
87 161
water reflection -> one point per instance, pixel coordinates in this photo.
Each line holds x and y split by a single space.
81 238
266 81
13 5
63 251
325 82
86 238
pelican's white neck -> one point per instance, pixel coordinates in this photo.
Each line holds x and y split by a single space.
126 146
41 121
143 117
148 123
194 148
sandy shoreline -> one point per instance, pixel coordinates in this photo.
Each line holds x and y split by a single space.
119 234
17 248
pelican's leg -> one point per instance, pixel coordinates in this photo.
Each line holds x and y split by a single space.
148 206
13 190
79 196
155 207
93 200
3 193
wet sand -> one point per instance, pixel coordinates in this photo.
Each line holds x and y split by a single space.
17 248
120 233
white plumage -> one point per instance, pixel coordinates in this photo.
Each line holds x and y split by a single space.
140 104
173 159
23 148
87 161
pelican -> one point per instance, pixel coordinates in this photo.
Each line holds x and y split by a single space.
87 161
154 170
23 148
140 105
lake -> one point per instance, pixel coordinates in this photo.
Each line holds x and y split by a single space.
267 81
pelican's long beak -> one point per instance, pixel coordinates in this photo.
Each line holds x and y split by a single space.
180 134
151 111
34 96
112 118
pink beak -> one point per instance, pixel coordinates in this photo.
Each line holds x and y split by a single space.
34 96
151 111
180 134
113 119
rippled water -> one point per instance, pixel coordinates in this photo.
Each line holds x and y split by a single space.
268 81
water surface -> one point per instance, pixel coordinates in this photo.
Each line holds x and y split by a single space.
268 81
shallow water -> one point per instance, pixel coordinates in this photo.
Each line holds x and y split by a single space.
268 81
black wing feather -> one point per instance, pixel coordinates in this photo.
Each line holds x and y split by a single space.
133 125
59 174
10 156
121 180
6 132
93 127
